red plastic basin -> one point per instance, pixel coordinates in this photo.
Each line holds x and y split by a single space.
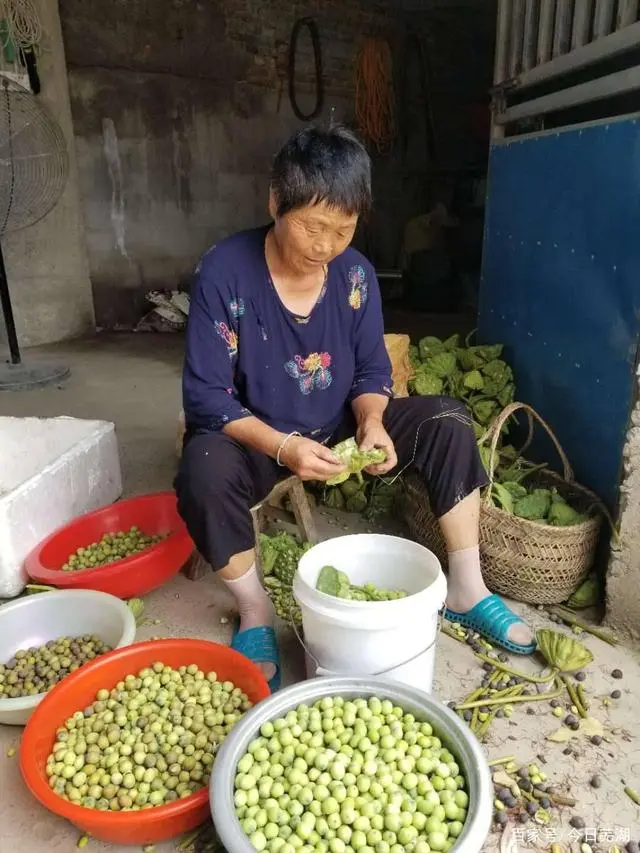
76 691
133 576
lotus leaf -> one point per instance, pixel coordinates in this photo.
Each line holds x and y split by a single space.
502 497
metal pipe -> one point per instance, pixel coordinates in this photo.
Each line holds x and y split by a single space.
627 13
515 40
530 36
502 41
545 30
582 17
585 93
603 19
596 51
562 27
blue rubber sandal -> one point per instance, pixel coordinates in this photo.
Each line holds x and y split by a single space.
259 645
492 619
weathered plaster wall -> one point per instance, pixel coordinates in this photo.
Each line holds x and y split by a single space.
177 113
623 589
47 263
178 110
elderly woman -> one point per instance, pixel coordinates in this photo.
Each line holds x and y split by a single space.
285 357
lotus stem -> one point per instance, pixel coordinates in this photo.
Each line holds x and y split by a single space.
474 719
451 633
573 695
571 619
634 796
509 700
476 694
534 679
190 839
501 762
582 696
484 728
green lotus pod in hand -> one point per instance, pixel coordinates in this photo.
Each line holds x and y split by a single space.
355 460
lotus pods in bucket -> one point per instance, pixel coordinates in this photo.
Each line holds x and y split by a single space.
358 636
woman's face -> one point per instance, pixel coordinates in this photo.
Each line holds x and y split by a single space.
310 237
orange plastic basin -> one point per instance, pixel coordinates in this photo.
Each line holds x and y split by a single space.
133 576
76 691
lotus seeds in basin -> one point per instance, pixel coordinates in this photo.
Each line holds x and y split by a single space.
111 548
37 669
150 740
342 776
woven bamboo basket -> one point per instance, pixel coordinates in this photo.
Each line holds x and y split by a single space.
523 560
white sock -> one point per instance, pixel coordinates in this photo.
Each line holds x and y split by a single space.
466 588
254 606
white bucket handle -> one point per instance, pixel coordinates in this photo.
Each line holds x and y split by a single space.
322 671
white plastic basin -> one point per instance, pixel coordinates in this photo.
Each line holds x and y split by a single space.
36 619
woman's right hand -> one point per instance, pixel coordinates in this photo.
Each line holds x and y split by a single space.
310 460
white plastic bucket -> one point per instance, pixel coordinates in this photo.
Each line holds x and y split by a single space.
395 639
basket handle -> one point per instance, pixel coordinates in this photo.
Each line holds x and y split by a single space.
494 435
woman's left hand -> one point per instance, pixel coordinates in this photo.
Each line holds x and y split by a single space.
372 435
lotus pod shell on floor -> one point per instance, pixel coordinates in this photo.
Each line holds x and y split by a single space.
562 652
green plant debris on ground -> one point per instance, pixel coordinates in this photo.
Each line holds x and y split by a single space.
280 555
136 606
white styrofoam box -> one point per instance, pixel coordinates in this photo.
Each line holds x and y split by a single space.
51 471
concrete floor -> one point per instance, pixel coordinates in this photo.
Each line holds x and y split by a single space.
135 382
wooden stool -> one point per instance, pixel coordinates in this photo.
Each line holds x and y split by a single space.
297 520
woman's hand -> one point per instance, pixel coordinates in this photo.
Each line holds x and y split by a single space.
310 460
372 435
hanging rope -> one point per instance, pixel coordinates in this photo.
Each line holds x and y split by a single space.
22 24
374 93
310 24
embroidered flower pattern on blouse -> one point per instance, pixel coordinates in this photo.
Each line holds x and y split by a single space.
229 337
236 306
312 372
358 293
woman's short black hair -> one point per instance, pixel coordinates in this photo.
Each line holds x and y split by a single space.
316 165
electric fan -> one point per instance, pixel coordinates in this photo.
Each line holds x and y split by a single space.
34 166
